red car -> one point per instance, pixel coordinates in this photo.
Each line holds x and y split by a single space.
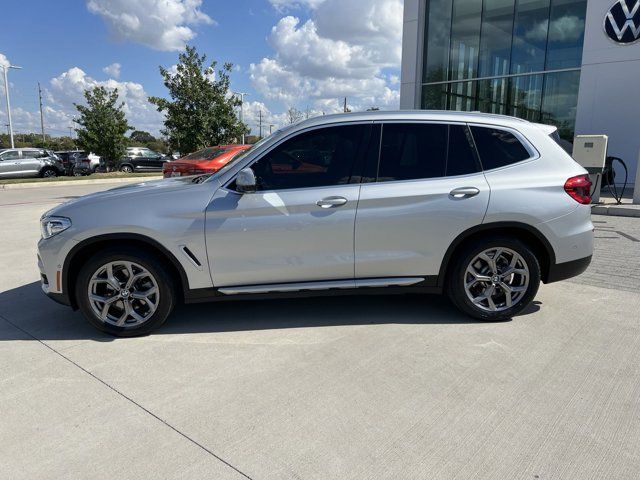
207 160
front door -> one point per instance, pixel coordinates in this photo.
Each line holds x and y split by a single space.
298 226
9 163
429 189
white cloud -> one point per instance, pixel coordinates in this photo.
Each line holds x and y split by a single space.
68 88
159 24
113 70
563 29
344 49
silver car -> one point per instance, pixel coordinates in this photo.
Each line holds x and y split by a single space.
480 207
29 162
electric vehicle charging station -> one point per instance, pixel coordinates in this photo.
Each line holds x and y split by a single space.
590 151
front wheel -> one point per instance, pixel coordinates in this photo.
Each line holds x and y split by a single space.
125 292
126 169
49 173
494 279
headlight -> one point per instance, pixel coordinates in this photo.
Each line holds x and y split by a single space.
51 226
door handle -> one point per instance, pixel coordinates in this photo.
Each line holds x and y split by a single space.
464 192
330 202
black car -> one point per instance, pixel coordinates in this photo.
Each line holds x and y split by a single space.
141 159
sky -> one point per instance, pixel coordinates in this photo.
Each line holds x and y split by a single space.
307 54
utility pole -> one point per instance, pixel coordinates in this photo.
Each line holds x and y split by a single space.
7 125
345 105
260 116
241 95
44 140
6 92
270 128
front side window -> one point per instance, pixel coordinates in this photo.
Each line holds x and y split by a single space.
11 155
317 158
422 151
498 148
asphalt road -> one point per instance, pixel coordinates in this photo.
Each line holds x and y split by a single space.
332 388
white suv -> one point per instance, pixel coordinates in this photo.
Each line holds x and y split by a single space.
482 207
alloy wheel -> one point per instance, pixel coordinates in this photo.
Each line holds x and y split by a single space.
496 279
123 294
49 174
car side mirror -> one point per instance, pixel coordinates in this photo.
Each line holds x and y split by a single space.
246 181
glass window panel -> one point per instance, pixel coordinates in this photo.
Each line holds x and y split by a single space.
525 97
461 159
498 148
566 33
434 97
437 38
495 38
530 36
318 158
492 95
560 101
465 39
412 151
462 96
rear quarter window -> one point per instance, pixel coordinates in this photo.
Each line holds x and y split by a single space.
498 148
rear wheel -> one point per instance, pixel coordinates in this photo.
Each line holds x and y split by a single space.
125 292
494 279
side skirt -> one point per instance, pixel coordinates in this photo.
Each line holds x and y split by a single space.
374 286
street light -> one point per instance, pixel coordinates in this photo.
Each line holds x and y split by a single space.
241 95
6 92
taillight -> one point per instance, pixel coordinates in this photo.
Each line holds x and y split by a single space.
579 188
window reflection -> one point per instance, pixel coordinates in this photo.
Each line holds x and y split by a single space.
560 100
465 38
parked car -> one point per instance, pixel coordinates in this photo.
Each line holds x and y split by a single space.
481 207
142 159
207 160
30 162
88 163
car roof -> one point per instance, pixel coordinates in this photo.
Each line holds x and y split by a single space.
413 115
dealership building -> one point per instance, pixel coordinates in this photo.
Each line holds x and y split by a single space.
574 64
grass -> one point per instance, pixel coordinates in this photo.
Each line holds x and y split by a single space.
95 176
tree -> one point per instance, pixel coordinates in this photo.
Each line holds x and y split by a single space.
103 125
200 111
142 137
294 115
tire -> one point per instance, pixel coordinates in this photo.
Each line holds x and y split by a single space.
473 268
126 263
126 169
48 172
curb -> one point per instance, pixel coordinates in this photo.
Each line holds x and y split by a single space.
616 210
106 181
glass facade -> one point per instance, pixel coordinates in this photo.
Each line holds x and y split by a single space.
512 57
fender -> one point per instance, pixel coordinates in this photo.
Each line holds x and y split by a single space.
496 227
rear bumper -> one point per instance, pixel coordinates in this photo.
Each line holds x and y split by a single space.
562 271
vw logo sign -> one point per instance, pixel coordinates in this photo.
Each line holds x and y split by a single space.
622 22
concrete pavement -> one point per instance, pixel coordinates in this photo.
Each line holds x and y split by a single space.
345 387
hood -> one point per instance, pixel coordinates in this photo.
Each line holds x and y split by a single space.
131 192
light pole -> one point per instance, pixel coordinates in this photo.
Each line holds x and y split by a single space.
6 92
241 95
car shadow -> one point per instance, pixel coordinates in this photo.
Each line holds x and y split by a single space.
38 317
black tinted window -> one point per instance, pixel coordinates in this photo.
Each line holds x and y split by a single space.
498 148
313 159
411 151
415 151
462 158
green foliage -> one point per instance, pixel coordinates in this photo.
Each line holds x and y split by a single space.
102 125
25 140
200 111
140 138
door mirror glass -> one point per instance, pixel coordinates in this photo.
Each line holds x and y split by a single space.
246 181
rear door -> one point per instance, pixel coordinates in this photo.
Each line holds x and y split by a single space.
428 189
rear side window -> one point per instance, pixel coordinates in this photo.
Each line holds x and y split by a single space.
421 151
498 148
